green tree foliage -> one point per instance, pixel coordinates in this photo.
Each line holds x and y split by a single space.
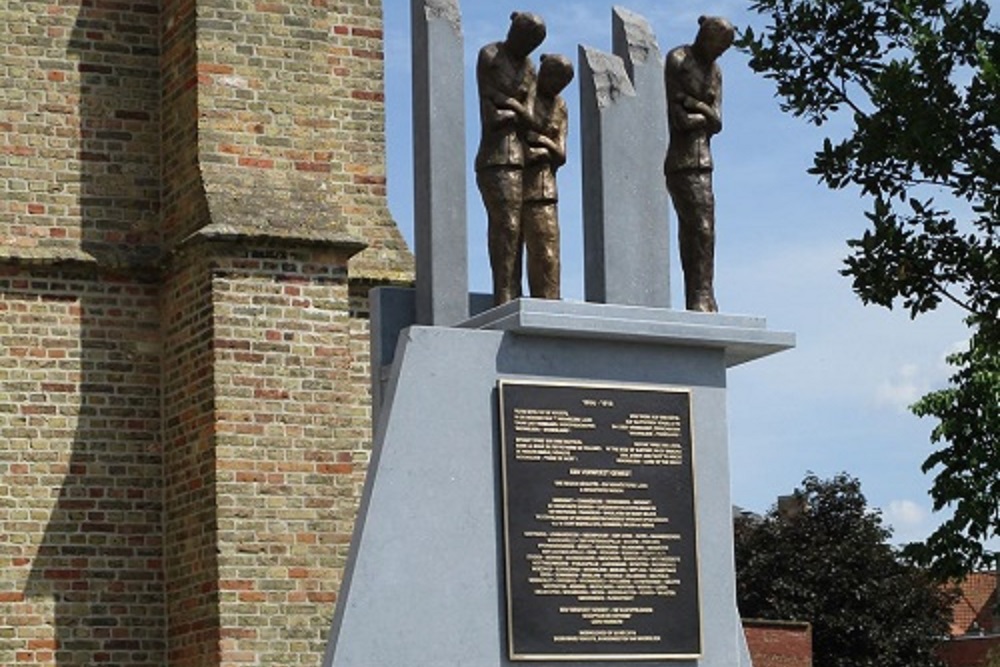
919 82
830 564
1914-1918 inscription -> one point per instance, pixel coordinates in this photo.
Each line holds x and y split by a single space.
599 523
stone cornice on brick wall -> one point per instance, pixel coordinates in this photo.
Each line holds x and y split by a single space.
290 124
335 251
274 204
341 248
221 232
46 256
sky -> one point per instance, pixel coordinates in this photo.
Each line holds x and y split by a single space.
838 401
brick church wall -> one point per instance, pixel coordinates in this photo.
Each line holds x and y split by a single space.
79 130
290 128
183 206
184 416
190 521
81 495
81 484
282 363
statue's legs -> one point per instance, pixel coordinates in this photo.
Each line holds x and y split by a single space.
501 190
691 192
540 221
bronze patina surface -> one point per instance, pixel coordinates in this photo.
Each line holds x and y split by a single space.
694 115
523 142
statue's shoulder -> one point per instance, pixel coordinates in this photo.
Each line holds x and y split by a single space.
488 54
677 56
561 108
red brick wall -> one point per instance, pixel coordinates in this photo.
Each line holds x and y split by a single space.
778 643
970 651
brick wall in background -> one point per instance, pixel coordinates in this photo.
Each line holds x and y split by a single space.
778 643
970 651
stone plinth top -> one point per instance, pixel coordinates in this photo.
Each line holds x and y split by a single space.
744 338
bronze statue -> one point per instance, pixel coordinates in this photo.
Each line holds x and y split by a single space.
546 152
694 114
506 77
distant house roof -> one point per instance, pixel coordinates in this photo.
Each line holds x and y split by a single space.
741 512
975 611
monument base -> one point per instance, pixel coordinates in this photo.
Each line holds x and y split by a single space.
425 581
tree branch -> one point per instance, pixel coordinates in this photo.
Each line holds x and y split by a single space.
955 300
840 92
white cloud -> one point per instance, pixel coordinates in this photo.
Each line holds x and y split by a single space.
905 513
903 389
908 519
911 381
944 368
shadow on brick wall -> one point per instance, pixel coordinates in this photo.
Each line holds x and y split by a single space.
100 560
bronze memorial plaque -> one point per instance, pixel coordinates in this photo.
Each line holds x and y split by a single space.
598 490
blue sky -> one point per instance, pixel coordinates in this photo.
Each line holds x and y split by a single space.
838 401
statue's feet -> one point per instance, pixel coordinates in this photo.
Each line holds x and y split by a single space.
505 294
703 302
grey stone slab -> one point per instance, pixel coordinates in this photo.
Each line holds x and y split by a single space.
479 302
439 170
424 583
745 660
624 140
393 309
741 338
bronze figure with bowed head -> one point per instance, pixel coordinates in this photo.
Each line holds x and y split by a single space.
546 152
506 80
694 114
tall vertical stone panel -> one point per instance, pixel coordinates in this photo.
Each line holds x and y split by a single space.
440 224
624 126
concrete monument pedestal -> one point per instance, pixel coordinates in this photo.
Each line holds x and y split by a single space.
633 577
425 579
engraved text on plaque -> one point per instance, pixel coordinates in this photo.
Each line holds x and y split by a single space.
599 523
